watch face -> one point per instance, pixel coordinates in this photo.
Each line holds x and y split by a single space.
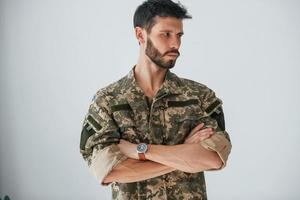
141 148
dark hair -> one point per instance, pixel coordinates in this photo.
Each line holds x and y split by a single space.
145 13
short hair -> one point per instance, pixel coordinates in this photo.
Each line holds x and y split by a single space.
148 10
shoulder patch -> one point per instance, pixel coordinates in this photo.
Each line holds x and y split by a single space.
94 123
90 128
214 107
86 132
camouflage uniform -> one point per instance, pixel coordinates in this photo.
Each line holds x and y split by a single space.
121 111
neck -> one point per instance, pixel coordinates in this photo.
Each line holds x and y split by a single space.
149 76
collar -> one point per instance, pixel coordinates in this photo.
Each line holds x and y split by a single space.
172 84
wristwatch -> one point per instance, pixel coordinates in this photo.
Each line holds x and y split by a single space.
141 149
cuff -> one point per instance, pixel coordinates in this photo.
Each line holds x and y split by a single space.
218 143
104 160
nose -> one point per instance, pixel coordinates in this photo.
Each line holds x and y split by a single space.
175 42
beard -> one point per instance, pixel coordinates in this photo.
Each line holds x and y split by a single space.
157 57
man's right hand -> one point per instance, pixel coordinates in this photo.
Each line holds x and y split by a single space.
198 134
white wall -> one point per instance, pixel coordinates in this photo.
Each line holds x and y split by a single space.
54 55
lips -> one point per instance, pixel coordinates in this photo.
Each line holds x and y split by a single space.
172 54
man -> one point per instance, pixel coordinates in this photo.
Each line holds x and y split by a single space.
152 134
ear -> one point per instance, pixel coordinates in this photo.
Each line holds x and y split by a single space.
140 35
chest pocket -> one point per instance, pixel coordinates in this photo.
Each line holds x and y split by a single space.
181 117
124 118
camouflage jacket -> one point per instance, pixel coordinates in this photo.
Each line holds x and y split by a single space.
120 110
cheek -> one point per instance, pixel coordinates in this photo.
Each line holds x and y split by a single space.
159 46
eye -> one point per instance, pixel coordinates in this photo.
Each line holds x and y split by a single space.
167 34
179 35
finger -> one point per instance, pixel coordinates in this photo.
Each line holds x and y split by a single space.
206 129
205 135
191 138
200 133
198 137
202 136
204 132
197 128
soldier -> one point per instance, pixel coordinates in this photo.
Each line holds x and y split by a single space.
152 134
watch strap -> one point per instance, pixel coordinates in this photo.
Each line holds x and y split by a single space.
142 156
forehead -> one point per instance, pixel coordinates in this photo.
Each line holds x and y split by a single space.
167 24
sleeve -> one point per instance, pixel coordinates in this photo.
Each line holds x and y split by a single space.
214 117
99 139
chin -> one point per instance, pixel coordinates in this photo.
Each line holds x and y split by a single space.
170 66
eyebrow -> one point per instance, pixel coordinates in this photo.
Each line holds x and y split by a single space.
179 33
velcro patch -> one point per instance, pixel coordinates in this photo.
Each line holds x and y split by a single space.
86 132
94 123
120 107
213 107
182 103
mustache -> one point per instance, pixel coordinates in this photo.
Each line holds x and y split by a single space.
172 51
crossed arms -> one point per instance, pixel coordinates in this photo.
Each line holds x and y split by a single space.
162 159
113 160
